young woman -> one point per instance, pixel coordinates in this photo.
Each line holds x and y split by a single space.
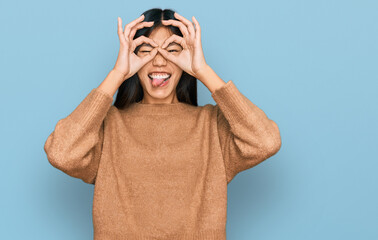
161 163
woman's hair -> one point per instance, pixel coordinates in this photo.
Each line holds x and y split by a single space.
131 90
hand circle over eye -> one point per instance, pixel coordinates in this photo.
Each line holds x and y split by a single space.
191 59
180 25
128 63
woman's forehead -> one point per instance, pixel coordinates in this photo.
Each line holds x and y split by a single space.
160 33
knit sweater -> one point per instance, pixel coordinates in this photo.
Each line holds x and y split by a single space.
161 170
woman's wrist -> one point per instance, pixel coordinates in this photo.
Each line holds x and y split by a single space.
203 71
120 74
113 80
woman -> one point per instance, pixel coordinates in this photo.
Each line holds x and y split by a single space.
159 162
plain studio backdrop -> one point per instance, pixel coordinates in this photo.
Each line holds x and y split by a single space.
311 66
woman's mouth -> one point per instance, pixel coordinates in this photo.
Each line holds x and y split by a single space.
159 80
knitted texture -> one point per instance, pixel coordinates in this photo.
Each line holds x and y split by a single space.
161 170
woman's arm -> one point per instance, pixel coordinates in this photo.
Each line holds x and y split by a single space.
75 145
247 136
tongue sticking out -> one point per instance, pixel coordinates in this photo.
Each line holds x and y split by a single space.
157 81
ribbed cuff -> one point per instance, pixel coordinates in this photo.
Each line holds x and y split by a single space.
93 109
209 234
233 104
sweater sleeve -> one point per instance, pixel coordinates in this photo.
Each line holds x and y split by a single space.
75 145
246 135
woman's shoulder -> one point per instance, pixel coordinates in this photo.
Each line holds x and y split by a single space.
112 112
208 108
211 108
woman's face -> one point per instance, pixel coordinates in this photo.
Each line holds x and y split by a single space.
167 92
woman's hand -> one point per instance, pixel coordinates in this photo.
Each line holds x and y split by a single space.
191 58
128 63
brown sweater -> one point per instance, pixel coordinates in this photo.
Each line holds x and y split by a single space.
161 170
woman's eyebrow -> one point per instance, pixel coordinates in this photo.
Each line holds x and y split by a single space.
146 44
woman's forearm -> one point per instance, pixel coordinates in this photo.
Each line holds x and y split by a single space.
113 80
210 79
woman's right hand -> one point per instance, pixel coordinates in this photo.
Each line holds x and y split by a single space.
128 63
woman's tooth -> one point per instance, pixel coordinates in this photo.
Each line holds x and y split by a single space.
160 76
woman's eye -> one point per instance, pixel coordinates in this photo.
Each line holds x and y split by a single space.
146 51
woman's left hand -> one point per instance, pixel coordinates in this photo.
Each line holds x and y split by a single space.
191 58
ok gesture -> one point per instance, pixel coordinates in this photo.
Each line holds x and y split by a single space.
191 58
128 63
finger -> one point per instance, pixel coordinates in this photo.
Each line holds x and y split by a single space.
135 21
175 38
180 25
198 29
128 26
188 23
150 56
139 26
140 40
120 32
167 55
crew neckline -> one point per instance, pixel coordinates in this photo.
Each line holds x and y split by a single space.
158 103
159 108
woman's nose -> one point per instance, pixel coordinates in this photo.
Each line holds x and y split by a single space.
159 59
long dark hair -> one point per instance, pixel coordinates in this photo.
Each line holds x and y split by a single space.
131 90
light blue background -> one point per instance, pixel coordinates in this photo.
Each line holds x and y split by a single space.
311 66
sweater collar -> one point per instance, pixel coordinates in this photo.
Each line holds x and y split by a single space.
159 108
